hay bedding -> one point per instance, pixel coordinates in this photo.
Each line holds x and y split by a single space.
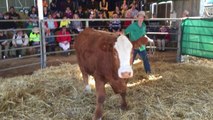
185 92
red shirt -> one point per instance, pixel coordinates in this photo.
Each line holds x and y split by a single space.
63 38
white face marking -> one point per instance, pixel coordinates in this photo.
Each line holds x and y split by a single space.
124 48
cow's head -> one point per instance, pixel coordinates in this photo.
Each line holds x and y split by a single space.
124 50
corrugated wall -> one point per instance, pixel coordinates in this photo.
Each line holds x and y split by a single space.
18 4
193 6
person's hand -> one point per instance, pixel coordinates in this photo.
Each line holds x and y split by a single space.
65 42
151 40
4 43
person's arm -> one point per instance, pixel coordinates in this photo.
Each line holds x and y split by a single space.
68 37
14 41
100 5
56 24
106 8
26 40
58 38
128 30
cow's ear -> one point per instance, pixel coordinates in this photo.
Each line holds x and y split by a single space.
139 42
107 47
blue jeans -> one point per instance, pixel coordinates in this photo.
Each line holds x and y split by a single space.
144 57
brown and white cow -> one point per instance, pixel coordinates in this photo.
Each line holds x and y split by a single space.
107 57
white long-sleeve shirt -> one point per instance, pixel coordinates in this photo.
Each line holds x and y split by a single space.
20 40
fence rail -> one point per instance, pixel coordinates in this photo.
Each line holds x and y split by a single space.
42 55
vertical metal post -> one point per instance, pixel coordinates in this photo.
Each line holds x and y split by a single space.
7 5
87 23
166 11
42 34
43 45
178 58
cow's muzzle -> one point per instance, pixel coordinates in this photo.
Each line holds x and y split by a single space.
126 75
125 72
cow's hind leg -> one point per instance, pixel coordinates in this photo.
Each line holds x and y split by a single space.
85 80
100 98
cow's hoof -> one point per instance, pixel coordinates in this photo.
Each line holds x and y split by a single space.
97 118
88 89
124 107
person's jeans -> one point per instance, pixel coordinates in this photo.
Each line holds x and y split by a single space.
143 55
5 48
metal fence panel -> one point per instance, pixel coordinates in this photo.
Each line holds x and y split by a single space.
197 37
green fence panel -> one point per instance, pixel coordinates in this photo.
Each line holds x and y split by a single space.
197 37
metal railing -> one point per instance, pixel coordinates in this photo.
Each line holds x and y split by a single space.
43 53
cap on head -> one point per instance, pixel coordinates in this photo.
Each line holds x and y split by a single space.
35 30
141 14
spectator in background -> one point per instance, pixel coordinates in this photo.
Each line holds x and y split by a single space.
33 15
50 40
115 25
13 14
51 27
68 13
57 15
35 40
124 8
4 45
118 11
127 22
185 13
45 12
20 39
7 24
76 25
104 7
80 12
133 11
51 24
83 4
1 16
93 5
162 39
102 25
45 3
62 5
124 5
69 3
92 24
75 4
29 27
53 6
111 5
64 39
64 22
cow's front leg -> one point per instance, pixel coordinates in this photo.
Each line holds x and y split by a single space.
100 97
120 87
123 100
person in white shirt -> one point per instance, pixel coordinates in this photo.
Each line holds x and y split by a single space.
20 39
